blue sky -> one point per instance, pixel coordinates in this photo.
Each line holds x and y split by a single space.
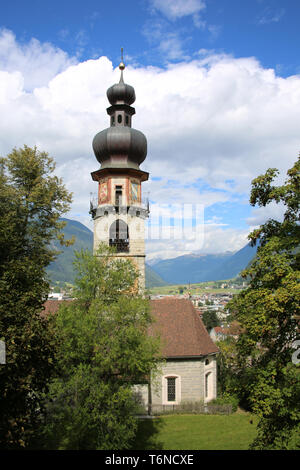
217 85
266 29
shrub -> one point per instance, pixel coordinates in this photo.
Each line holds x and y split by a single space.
226 400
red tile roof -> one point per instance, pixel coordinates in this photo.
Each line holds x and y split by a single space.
219 329
51 306
180 327
182 331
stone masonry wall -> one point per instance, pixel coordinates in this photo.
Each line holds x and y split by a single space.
190 375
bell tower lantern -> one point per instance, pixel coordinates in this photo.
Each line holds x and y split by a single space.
120 212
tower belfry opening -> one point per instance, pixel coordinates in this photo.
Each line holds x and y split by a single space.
120 149
119 236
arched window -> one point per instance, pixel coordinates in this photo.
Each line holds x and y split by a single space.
119 235
208 386
119 118
171 390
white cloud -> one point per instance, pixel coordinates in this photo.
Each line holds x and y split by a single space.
214 31
38 62
171 46
215 240
174 9
212 124
166 42
270 15
169 43
261 214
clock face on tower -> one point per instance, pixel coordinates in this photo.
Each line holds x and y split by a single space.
134 192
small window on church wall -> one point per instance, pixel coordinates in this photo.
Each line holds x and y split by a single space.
127 120
113 120
171 381
206 362
119 118
208 385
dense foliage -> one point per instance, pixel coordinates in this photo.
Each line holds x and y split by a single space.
31 201
268 311
104 350
210 319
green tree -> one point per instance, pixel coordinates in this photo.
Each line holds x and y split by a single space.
104 350
31 201
226 362
230 374
267 311
210 319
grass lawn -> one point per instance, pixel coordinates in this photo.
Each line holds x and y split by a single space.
196 432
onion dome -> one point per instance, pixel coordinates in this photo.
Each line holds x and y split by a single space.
120 146
121 93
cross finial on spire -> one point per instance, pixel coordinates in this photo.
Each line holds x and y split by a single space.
122 65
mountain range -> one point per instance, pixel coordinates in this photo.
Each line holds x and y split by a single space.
61 270
185 269
195 268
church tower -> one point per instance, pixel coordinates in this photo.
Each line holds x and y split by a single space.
119 212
